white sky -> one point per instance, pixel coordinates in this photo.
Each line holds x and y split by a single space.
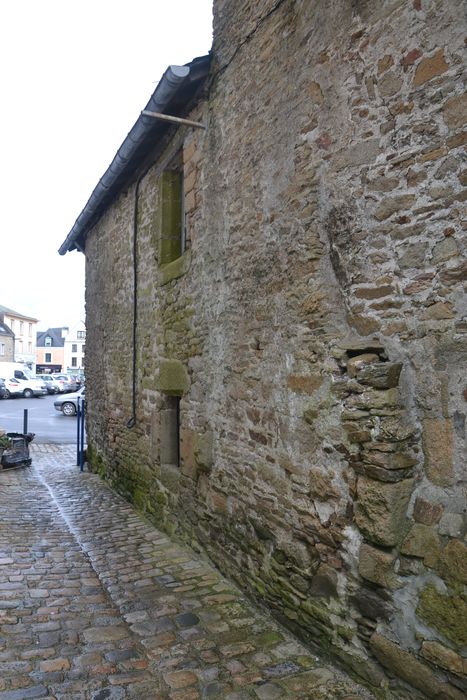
75 75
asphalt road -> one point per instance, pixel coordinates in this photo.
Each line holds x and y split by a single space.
49 425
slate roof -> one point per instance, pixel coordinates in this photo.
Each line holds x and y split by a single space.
6 330
10 312
55 333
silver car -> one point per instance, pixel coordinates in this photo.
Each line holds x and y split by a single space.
68 405
64 382
51 384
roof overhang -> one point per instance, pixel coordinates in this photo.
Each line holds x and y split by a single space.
176 89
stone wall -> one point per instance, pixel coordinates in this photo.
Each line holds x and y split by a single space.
315 331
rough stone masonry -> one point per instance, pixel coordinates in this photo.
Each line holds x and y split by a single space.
301 365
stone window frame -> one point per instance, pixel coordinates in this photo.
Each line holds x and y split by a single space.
170 431
172 220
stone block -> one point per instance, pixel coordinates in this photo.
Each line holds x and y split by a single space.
384 375
423 542
304 384
403 664
324 582
377 566
429 68
426 512
438 312
187 452
204 451
442 656
390 205
354 364
455 111
374 399
452 525
173 378
175 269
371 604
454 561
381 509
438 449
389 460
389 84
357 154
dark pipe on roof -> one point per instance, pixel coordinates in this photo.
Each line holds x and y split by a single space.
174 91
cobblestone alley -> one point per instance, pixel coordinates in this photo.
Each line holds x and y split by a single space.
97 603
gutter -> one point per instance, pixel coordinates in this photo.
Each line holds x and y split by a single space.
174 91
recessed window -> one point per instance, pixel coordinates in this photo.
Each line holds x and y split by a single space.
74 347
171 213
74 362
81 335
170 431
2 348
48 357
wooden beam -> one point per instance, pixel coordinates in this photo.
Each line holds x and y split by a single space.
175 120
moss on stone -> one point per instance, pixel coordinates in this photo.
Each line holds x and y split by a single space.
446 613
160 498
173 377
139 498
268 640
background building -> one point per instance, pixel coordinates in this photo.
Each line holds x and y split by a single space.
74 349
7 343
24 329
50 352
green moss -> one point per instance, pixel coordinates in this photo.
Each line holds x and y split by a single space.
314 609
170 212
95 461
268 640
446 613
346 633
161 498
173 377
139 497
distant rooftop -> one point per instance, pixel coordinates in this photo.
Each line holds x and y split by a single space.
6 330
56 334
11 312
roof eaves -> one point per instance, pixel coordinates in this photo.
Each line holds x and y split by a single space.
176 88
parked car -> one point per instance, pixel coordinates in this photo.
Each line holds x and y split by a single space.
25 387
66 384
68 405
78 379
52 386
3 390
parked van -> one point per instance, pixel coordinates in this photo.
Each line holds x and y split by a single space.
20 381
16 370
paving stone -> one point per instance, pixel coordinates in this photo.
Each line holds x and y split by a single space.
99 605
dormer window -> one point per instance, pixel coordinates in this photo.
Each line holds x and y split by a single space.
48 341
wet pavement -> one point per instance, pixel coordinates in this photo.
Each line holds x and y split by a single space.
96 603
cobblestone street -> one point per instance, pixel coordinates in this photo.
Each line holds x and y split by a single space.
96 603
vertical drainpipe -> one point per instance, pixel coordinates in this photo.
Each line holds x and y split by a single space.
132 421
